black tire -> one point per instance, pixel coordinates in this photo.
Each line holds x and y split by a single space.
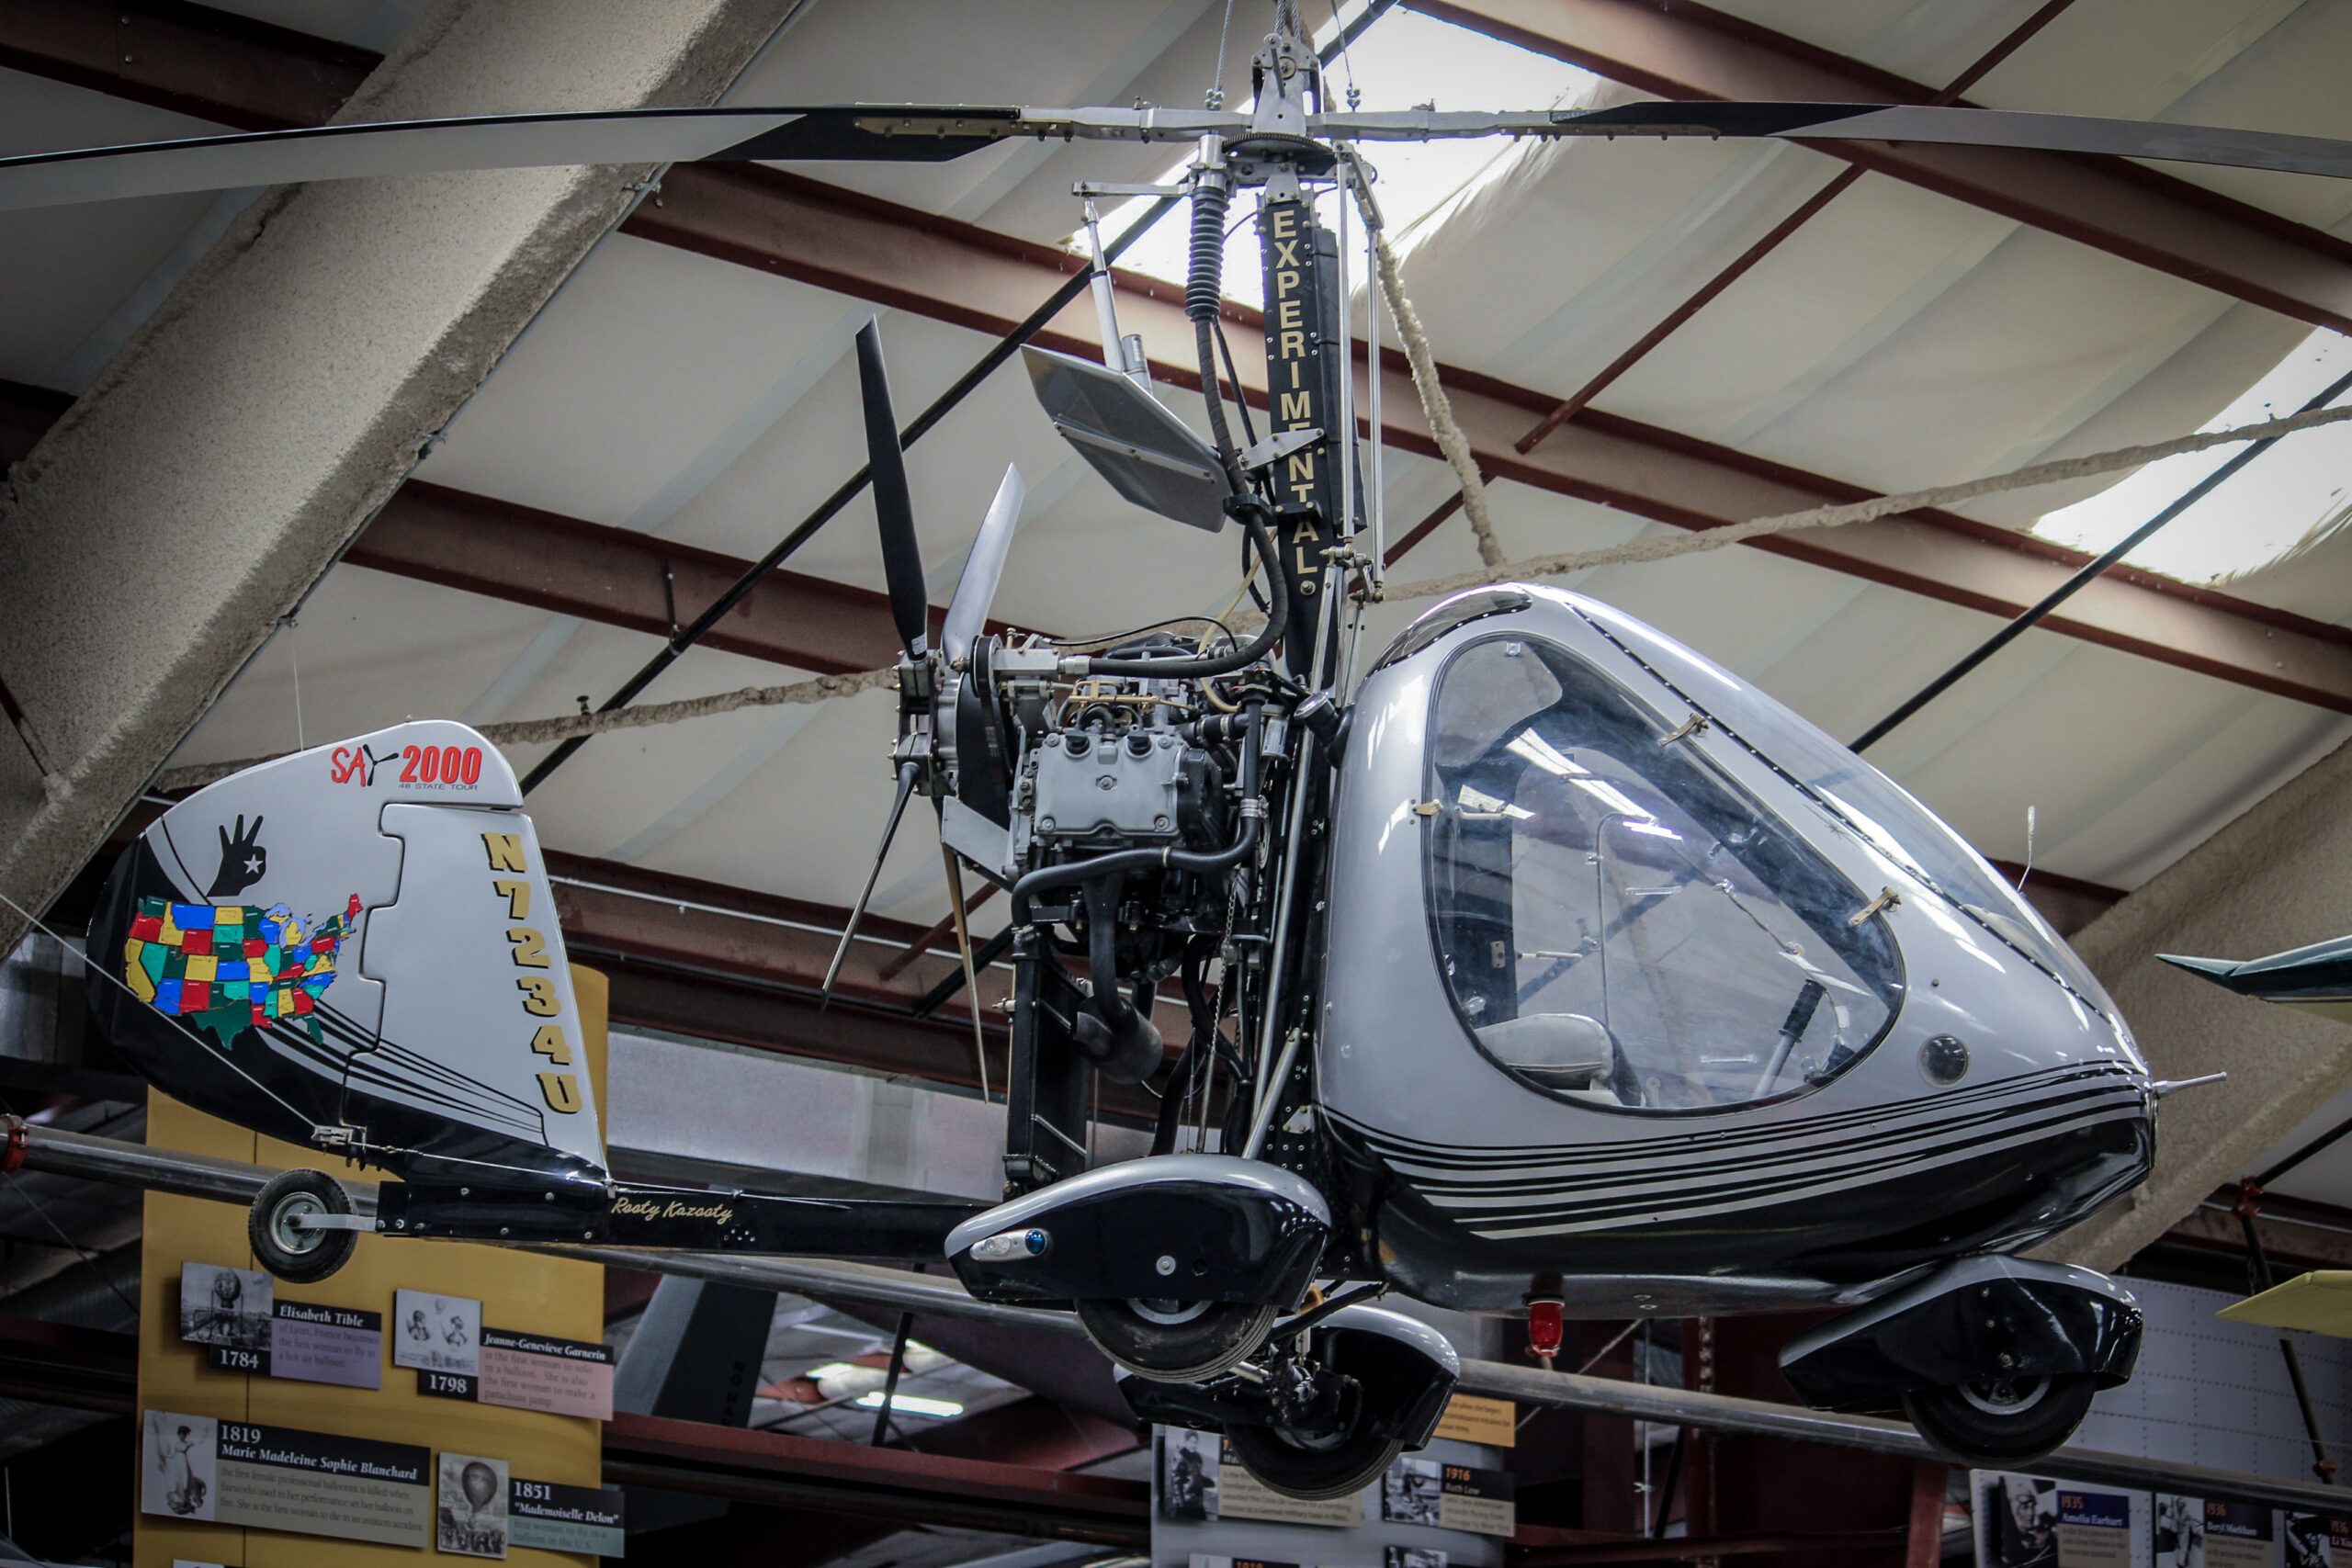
299 1257
1999 1422
1338 1467
1176 1341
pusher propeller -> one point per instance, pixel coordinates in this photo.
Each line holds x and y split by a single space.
922 678
968 612
894 508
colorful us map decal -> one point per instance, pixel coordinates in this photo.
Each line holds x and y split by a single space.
229 967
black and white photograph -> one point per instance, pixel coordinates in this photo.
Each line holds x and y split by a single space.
2179 1531
180 1465
1411 1491
470 1507
1188 1468
2308 1544
2016 1522
1412 1557
229 1307
435 1333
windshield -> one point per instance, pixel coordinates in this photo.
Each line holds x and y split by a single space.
1879 810
1617 922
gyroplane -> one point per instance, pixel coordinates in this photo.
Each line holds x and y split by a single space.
1536 965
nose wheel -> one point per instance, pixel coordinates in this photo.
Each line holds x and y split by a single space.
283 1230
1176 1341
2003 1420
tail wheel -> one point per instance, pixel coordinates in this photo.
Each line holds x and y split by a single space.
286 1244
1312 1467
2001 1421
1174 1341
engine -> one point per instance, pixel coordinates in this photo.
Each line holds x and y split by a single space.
1132 838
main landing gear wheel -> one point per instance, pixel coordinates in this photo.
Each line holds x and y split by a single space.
286 1247
1172 1341
1313 1466
2001 1421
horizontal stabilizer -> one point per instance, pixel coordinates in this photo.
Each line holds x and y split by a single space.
2317 978
2220 971
2316 1303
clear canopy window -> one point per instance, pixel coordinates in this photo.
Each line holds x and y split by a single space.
1619 923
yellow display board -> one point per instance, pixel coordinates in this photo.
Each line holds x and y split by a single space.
2320 1302
517 1290
1473 1419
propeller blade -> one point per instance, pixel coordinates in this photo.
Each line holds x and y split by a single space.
893 508
908 773
968 612
841 132
1942 125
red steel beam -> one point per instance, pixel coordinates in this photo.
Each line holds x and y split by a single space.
872 249
775 1468
2010 42
1684 50
622 578
211 64
745 967
1796 1545
958 273
710 932
619 577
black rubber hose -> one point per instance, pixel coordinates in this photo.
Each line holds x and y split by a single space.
1120 861
1103 956
1250 513
1203 296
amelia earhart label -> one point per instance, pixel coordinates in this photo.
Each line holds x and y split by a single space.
280 1478
2094 1529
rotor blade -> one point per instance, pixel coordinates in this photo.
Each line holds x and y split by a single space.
893 507
1947 126
858 132
908 773
968 612
935 133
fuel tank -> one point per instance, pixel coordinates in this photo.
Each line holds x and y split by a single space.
1639 987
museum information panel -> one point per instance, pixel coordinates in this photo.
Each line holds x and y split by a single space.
288 1426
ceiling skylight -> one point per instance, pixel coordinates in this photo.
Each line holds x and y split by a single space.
2289 499
1419 184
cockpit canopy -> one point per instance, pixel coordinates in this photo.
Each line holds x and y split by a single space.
1617 920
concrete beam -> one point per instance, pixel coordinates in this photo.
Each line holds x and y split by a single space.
1684 50
226 455
2276 878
